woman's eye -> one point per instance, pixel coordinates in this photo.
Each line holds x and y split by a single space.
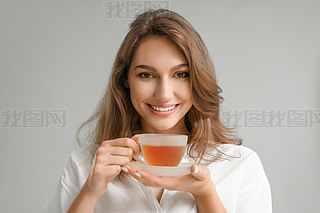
145 75
182 74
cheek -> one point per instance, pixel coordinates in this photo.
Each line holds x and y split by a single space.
140 91
183 91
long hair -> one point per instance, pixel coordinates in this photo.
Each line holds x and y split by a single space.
115 116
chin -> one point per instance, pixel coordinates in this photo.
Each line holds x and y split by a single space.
166 127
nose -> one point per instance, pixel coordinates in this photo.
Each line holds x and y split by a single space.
163 91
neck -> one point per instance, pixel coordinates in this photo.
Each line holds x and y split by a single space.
179 129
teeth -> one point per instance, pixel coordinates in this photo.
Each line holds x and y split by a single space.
163 109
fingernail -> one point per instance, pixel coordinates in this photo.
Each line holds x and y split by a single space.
124 169
196 170
137 174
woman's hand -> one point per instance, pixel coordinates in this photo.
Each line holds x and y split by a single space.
198 182
110 157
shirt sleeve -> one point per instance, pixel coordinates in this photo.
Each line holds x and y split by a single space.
254 193
65 190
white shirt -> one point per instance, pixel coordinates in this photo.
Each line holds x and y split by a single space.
241 184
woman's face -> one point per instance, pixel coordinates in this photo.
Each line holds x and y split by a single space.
159 86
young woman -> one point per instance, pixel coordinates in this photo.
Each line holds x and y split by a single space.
162 81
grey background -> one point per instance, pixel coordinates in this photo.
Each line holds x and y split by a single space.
58 55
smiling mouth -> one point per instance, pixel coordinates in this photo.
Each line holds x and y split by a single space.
161 109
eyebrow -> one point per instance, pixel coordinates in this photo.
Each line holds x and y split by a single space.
147 67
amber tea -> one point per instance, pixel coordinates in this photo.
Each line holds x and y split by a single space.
163 149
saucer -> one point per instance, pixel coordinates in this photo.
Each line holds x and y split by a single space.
168 171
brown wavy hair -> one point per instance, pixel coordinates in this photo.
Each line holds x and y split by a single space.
115 116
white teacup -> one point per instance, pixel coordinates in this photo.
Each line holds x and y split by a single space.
163 149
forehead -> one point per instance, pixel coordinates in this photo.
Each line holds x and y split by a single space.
161 49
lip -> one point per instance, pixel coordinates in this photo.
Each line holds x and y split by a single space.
163 105
166 113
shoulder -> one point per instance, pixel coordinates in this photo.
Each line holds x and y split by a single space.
241 180
83 154
238 153
243 163
225 154
241 160
229 154
80 161
247 173
236 149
